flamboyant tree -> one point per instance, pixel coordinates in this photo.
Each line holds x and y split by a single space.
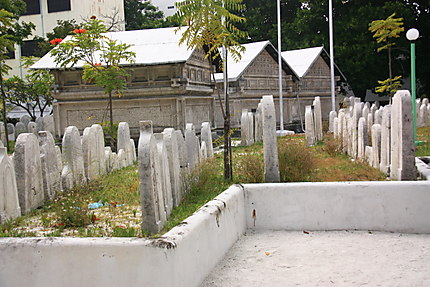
209 26
102 59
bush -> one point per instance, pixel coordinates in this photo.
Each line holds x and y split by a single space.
333 146
296 161
249 168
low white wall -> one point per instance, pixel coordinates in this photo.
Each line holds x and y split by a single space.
182 257
383 206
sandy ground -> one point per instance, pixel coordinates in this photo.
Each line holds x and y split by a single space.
337 258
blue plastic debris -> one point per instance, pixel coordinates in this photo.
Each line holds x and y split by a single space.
95 205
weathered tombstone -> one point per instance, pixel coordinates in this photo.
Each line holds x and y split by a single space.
2 132
258 131
114 161
11 132
361 138
332 116
25 119
206 136
336 127
133 150
90 154
59 158
402 139
203 152
20 128
182 150
124 141
355 117
309 126
244 126
9 203
122 159
368 154
100 148
39 124
172 152
32 128
73 162
164 175
51 172
376 145
150 189
318 118
270 147
48 124
365 111
108 159
369 125
251 139
423 116
28 171
344 131
341 118
192 144
378 117
385 139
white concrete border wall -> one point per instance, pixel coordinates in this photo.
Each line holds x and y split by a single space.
381 206
182 257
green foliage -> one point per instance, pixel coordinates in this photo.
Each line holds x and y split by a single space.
142 15
210 24
385 30
249 168
31 92
389 86
296 162
332 145
120 231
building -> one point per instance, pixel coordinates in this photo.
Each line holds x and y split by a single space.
45 13
168 84
166 6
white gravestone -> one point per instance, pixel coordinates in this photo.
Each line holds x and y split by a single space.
167 202
192 145
9 203
362 138
206 136
270 146
376 145
51 172
172 152
73 161
385 139
309 126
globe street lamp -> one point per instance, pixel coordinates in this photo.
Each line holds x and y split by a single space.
412 35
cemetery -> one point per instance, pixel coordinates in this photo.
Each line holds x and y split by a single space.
143 196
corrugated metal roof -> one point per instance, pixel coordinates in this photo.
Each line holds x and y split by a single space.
302 59
152 46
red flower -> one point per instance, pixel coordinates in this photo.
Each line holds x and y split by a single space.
97 64
76 31
55 41
79 31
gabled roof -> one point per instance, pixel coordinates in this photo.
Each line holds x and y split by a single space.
301 60
252 50
152 47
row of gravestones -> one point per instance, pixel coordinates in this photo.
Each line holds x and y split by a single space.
164 160
381 136
39 169
26 125
313 122
423 112
261 126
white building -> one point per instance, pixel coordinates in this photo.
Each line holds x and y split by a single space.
166 6
45 13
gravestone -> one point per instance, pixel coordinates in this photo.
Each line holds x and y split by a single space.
182 150
45 123
332 116
51 172
251 139
369 125
244 126
133 150
336 127
122 159
341 121
368 154
377 117
108 159
73 172
376 145
165 175
270 147
100 148
11 132
172 151
402 139
206 136
309 126
2 133
59 158
25 119
318 119
32 128
361 138
124 141
90 154
203 152
385 139
20 128
354 129
192 145
258 130
149 173
28 171
365 111
9 202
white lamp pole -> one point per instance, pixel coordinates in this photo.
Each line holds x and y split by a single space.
281 104
330 24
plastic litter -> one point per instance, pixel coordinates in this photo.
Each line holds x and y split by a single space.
95 205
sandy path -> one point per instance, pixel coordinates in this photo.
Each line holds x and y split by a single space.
338 258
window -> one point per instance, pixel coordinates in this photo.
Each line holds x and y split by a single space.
33 7
170 7
29 48
58 5
10 54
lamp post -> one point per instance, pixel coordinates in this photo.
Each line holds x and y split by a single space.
412 35
281 103
332 83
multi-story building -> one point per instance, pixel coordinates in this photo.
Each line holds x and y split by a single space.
166 6
44 14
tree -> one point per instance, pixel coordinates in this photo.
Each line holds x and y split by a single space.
142 15
102 58
384 31
11 32
31 93
210 25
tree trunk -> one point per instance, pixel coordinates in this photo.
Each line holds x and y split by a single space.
3 95
111 130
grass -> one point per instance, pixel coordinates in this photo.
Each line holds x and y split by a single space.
423 135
